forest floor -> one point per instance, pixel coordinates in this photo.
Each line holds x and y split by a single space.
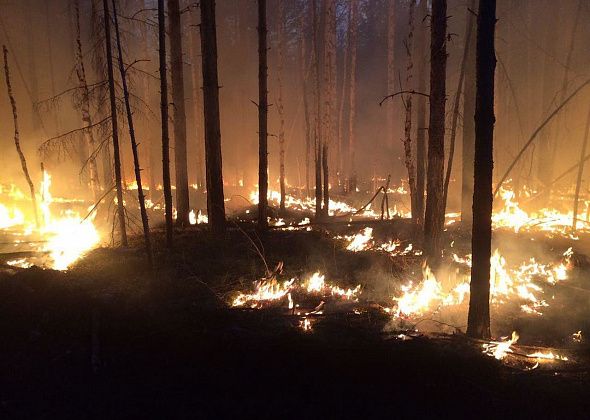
109 338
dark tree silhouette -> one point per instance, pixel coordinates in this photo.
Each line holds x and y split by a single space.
481 241
262 117
213 162
179 114
435 211
115 125
164 117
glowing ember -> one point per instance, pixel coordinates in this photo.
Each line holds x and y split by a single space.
306 325
547 355
577 337
20 262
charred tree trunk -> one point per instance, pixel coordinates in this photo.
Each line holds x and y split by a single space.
164 117
481 240
197 101
213 161
144 218
580 173
420 54
115 125
435 211
179 116
21 155
262 117
409 160
85 108
468 137
280 106
466 47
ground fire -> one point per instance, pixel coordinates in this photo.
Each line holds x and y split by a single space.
294 208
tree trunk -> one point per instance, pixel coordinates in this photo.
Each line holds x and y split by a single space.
164 117
144 218
351 165
197 100
85 109
468 139
21 155
466 47
280 106
580 173
435 211
409 160
420 53
391 71
304 70
547 143
147 97
345 75
478 324
329 99
213 161
262 118
179 116
317 97
115 125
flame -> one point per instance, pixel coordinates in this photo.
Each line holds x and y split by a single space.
268 291
547 355
265 291
67 236
198 218
499 349
306 325
506 285
551 221
360 241
10 217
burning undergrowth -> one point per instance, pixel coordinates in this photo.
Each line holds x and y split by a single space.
530 288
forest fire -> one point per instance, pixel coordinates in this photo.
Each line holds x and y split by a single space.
341 205
549 220
62 236
269 291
